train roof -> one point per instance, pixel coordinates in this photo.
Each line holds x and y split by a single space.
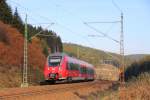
71 59
58 54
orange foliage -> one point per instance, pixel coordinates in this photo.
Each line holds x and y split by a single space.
36 58
11 54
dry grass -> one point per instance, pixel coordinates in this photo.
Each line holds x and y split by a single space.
137 89
11 79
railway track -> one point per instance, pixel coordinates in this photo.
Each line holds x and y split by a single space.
48 89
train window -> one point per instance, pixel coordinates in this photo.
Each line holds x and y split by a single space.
83 70
78 67
53 61
75 67
91 71
72 66
88 70
67 66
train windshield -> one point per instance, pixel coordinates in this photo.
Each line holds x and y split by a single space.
54 61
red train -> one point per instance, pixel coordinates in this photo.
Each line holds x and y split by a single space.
60 66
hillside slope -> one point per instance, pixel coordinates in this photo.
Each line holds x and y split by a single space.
90 55
11 56
136 57
96 56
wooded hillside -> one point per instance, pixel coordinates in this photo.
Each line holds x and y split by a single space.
8 17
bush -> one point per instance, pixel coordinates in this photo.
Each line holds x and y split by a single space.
137 68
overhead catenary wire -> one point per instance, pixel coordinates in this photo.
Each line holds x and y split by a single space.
30 11
79 18
64 26
104 34
41 16
103 22
48 18
44 17
57 23
107 31
39 33
117 7
95 36
68 11
83 22
122 65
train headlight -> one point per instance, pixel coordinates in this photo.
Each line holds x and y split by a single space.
60 68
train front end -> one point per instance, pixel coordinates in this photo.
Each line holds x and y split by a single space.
53 68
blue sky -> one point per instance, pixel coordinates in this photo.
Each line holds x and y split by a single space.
69 17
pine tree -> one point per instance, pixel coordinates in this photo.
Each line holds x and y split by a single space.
17 22
5 12
59 43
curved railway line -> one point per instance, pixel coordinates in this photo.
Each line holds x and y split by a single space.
18 93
